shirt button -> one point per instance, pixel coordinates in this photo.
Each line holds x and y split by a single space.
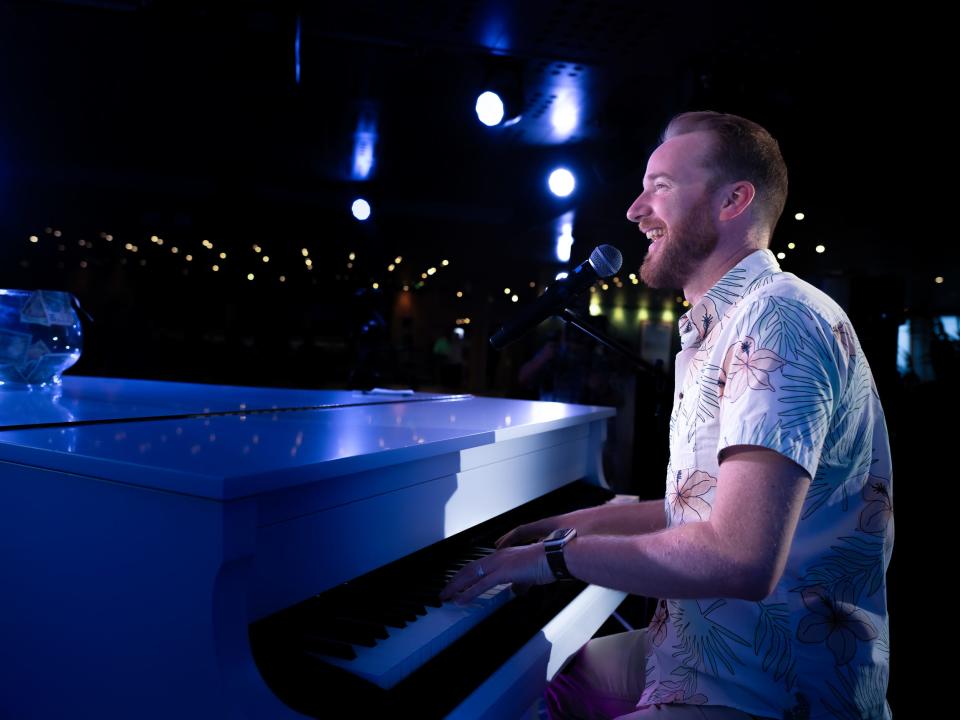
681 396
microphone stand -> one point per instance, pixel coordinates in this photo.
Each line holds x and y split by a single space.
581 324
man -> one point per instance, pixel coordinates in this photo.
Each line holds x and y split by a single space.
775 533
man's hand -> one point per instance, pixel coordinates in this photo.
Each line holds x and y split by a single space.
523 566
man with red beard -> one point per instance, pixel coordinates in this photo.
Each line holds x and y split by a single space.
771 544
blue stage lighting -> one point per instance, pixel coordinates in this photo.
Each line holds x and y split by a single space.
561 182
489 108
361 209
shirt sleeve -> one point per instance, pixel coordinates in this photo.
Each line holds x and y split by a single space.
780 379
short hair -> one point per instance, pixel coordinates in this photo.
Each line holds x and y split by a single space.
743 150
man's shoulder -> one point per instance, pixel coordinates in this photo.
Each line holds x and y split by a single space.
784 289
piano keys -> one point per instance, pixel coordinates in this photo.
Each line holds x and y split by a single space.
150 531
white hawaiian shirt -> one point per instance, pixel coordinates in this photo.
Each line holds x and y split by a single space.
769 360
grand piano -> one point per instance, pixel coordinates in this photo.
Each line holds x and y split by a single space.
171 550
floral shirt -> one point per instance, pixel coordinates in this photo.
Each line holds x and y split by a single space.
769 360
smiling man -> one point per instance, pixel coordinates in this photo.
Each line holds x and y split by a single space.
771 544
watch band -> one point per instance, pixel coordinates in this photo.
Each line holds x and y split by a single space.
554 545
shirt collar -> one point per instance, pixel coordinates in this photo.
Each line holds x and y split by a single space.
698 322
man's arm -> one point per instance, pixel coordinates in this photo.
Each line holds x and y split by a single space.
739 552
614 518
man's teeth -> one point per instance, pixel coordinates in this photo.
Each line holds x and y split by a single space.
654 234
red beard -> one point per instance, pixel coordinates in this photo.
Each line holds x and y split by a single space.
680 252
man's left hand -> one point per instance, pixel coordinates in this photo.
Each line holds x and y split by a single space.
524 566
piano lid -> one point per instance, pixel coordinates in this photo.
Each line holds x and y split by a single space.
235 455
93 399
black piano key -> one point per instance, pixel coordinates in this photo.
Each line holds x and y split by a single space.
333 648
346 631
382 616
310 637
376 630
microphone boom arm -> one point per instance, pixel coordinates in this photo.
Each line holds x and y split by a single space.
581 324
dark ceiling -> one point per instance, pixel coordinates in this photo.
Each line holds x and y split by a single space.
187 117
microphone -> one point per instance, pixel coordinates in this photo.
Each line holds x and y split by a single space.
604 262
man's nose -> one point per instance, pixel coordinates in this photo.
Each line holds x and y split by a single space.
638 210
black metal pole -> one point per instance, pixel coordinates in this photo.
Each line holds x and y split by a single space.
573 319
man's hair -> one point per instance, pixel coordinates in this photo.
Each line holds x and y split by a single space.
743 151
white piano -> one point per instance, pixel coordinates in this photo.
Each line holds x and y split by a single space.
170 550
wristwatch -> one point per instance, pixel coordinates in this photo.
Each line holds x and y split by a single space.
554 544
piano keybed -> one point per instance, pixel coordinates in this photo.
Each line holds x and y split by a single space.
388 639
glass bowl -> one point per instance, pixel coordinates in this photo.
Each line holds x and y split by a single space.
40 337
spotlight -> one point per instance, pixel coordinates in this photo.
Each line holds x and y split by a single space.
501 101
489 108
361 209
561 182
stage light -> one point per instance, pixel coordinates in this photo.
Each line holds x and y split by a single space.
489 108
361 209
561 182
565 116
364 146
565 238
502 98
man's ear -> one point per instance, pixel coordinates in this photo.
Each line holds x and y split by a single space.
737 197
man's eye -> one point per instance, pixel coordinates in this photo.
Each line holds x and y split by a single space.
657 186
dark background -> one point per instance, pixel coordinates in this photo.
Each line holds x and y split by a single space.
185 121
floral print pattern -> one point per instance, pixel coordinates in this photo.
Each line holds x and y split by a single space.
770 361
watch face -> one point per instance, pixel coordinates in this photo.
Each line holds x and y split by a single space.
559 534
